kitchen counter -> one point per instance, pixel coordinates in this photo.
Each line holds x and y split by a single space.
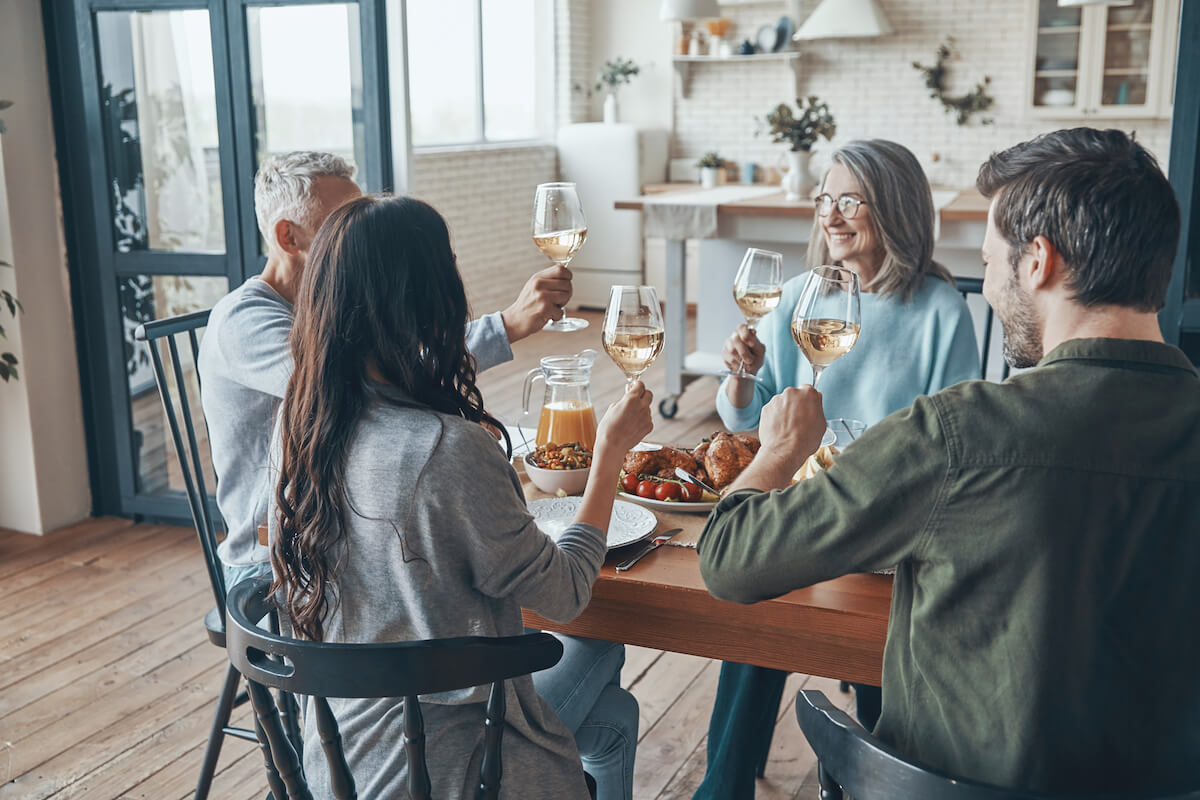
968 206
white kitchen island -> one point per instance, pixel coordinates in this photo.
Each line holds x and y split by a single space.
771 222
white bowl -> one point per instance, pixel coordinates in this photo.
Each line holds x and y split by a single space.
571 481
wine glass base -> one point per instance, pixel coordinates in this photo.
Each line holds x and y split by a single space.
566 324
747 375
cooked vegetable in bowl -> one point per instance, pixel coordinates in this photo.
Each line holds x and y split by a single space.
560 456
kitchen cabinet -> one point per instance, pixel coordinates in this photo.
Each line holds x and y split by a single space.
1097 62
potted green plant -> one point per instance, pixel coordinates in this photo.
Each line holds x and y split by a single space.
801 131
710 165
609 79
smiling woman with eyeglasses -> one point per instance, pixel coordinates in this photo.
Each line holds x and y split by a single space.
874 216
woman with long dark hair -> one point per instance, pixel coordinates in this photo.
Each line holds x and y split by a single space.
398 518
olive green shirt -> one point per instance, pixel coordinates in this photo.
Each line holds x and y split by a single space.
1044 620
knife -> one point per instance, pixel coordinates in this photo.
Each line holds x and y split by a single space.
680 472
653 544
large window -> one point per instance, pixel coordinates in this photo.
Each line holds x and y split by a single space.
480 70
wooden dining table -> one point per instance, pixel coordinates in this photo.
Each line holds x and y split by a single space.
836 629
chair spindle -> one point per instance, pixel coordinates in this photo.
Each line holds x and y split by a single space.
419 785
341 782
282 753
491 768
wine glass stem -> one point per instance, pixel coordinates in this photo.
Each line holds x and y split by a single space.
817 373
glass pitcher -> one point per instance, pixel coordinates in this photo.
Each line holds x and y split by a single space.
567 414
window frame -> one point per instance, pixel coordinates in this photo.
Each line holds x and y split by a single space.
545 95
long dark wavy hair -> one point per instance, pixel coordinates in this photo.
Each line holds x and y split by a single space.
381 291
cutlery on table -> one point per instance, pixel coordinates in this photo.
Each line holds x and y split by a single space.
680 472
652 544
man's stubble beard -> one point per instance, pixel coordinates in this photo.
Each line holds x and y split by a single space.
1022 328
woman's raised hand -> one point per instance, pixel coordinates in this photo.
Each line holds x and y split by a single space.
744 347
627 421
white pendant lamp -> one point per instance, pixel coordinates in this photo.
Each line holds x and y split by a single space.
688 9
844 19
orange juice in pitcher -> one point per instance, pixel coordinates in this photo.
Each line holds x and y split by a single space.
565 422
566 415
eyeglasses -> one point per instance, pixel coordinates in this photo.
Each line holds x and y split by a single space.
847 205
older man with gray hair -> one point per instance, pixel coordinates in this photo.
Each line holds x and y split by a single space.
245 359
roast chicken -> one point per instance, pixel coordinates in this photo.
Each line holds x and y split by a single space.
727 455
662 463
716 461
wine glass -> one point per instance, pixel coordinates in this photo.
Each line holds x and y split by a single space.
757 288
559 230
827 318
633 329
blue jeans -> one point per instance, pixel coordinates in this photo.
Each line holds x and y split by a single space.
743 722
235 573
584 689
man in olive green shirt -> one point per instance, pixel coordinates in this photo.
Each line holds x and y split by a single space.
1046 530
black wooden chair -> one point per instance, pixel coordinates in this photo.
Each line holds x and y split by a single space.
395 669
173 388
969 286
850 760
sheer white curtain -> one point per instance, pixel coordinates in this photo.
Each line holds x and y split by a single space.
175 109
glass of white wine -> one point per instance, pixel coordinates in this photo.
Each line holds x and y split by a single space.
828 317
559 230
633 329
757 288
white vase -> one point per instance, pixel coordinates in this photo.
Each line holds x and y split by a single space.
610 107
797 183
708 177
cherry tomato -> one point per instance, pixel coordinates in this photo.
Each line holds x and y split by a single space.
646 489
667 491
691 493
630 482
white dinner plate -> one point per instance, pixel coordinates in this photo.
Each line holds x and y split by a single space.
668 505
629 523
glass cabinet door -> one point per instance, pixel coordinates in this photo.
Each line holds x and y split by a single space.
1057 57
1126 83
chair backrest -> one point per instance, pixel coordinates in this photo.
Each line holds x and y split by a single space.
393 669
173 382
850 759
969 286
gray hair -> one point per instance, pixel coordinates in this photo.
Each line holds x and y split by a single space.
897 191
283 188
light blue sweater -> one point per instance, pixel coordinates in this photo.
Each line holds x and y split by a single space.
904 350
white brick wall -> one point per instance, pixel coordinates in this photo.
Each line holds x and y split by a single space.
873 91
486 196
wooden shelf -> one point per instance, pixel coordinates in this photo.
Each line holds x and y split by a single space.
683 64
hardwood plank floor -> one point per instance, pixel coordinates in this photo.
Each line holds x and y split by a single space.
108 683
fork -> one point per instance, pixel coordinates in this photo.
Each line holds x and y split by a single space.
653 544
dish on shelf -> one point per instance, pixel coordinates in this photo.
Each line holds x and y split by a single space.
766 38
784 30
1057 97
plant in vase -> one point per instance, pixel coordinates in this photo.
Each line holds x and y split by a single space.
710 165
611 77
801 132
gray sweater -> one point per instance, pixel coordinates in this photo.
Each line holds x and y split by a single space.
245 363
441 544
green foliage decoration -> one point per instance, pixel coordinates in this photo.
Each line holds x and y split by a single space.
964 105
801 131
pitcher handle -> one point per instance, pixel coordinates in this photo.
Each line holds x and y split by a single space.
533 375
